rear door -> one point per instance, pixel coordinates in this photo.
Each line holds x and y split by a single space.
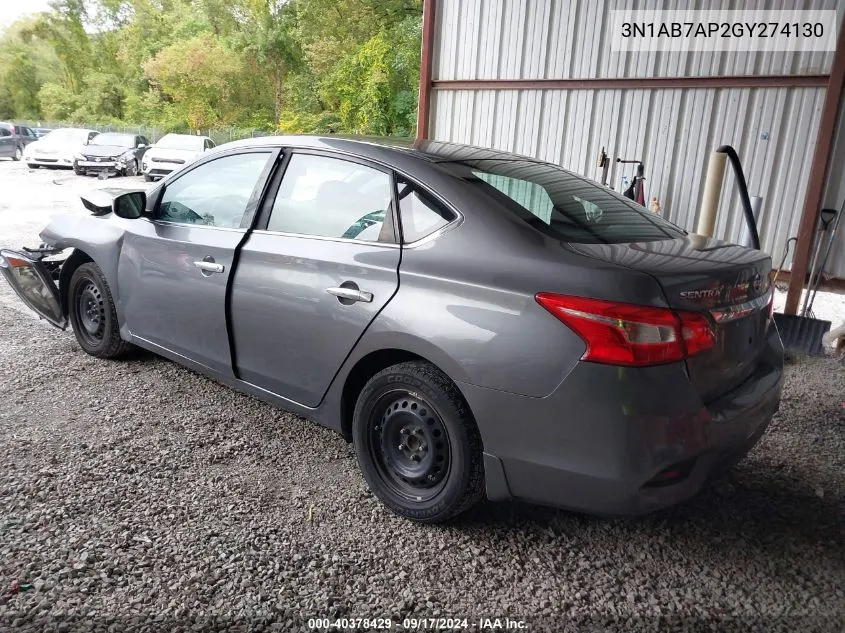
322 263
173 271
29 136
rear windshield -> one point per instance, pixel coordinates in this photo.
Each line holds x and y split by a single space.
562 205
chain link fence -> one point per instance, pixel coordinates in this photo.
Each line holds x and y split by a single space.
153 134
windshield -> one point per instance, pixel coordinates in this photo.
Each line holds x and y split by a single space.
112 138
67 135
562 205
180 141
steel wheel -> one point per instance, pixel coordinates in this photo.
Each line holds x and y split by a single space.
91 313
409 445
417 443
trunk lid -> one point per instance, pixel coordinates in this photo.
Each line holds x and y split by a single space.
700 274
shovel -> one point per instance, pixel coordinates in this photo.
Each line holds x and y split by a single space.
803 334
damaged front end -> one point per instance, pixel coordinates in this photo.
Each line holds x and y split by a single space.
33 273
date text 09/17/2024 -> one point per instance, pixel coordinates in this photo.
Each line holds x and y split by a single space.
417 624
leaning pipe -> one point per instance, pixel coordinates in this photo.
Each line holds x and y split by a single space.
713 189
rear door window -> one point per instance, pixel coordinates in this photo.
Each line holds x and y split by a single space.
332 197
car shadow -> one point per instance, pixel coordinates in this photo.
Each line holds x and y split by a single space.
769 512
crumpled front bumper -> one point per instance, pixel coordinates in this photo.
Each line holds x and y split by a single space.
32 277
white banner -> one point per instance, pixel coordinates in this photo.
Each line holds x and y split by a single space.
708 30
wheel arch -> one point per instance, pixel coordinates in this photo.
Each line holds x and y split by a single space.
74 261
368 366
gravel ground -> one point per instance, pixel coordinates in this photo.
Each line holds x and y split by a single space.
138 495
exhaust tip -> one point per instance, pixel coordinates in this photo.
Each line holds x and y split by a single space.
671 475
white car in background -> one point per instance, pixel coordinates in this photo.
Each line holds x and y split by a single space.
58 148
172 152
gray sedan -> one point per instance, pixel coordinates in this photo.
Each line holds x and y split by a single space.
473 321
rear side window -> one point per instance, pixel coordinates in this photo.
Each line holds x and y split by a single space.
419 214
331 197
562 205
4 131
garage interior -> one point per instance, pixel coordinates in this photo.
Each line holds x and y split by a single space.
540 79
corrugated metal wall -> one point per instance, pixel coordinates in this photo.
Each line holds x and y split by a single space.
671 131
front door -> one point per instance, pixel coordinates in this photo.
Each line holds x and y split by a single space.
311 280
173 270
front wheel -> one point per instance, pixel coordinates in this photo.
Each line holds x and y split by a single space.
417 443
18 154
92 313
131 169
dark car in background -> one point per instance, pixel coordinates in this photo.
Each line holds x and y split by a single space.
11 143
42 131
111 153
26 135
472 320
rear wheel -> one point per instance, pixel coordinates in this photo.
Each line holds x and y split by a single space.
417 443
92 313
18 153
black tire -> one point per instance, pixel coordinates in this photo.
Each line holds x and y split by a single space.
439 474
133 171
18 153
78 172
92 314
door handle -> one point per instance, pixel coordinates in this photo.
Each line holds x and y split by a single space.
210 267
351 294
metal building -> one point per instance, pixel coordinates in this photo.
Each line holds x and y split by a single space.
537 77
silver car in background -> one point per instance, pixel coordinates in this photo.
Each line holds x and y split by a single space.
471 320
58 148
172 152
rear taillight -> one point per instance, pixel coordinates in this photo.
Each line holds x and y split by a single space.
629 334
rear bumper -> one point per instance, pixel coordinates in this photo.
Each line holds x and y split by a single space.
598 441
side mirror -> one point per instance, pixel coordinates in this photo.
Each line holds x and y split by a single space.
141 145
130 205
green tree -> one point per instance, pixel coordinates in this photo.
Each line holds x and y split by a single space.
317 66
202 75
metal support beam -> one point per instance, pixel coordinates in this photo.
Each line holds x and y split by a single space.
424 108
635 83
818 176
